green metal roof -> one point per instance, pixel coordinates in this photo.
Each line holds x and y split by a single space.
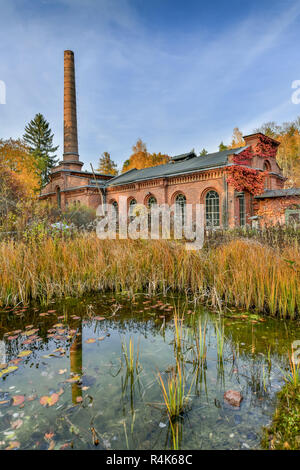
174 167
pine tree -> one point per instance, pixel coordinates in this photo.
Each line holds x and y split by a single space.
222 147
203 152
39 139
106 165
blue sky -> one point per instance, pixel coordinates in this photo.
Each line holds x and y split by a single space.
178 74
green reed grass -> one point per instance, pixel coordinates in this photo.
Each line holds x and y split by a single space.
241 273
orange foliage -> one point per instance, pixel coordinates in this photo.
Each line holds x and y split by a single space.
141 158
246 179
22 169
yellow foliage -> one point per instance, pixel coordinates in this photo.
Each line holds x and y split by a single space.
22 166
141 158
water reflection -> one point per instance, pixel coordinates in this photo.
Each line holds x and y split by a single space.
87 338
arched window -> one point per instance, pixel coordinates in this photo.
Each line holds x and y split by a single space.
180 203
115 207
115 211
151 202
132 205
58 197
212 209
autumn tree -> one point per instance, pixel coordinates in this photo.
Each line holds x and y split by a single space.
288 154
141 158
237 139
106 165
19 174
39 138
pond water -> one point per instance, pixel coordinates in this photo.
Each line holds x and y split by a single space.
64 381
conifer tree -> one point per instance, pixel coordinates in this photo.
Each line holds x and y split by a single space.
106 165
39 138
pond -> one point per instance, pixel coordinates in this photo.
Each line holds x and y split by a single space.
64 381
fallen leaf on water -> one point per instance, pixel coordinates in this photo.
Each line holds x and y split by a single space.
61 391
85 388
13 445
49 400
90 340
99 318
101 338
3 402
64 446
51 445
48 436
62 371
73 379
3 366
16 424
31 397
8 370
18 400
24 353
10 338
79 399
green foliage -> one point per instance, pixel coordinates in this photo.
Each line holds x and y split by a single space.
284 432
106 165
79 215
203 152
39 139
222 147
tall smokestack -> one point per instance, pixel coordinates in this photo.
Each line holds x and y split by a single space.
70 116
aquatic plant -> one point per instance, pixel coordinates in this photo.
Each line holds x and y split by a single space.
175 398
241 273
200 342
131 361
220 335
284 430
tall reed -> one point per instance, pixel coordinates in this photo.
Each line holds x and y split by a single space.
243 274
173 392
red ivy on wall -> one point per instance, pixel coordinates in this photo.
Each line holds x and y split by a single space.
246 179
265 147
244 157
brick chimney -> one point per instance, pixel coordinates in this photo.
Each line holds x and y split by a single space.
70 156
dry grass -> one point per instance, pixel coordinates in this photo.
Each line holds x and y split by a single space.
241 273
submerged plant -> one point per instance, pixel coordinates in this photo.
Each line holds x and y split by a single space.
293 375
220 341
132 362
175 398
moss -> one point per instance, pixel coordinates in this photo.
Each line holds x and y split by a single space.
284 431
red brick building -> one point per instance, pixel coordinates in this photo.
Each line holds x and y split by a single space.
237 186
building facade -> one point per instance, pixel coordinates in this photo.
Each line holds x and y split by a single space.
238 186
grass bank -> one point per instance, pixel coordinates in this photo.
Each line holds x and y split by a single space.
284 431
240 273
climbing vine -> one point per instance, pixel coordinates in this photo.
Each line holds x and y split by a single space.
244 157
246 179
265 147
